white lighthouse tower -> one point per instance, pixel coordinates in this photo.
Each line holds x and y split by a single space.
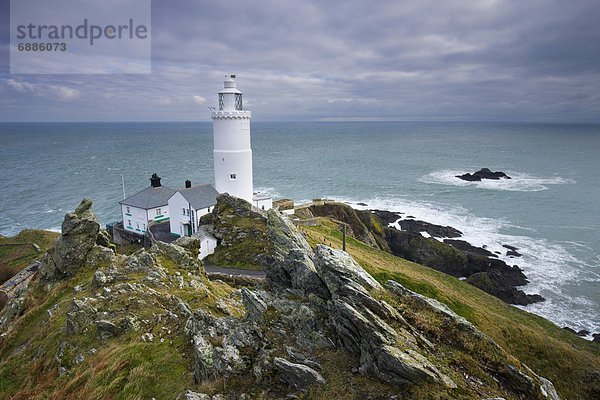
232 153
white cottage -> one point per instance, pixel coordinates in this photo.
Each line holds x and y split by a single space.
148 205
188 205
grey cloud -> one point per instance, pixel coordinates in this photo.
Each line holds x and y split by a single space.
428 60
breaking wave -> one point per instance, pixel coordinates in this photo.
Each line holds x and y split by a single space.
550 267
519 182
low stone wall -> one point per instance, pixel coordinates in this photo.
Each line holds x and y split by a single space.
121 236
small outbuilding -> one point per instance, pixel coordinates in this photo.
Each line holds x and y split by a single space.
208 242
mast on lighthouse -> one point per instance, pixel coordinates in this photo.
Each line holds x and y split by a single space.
232 153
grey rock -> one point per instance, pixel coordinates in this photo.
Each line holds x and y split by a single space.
79 232
227 360
179 255
191 395
255 307
290 263
106 329
191 244
15 306
436 306
204 366
103 240
301 377
148 337
399 368
338 269
519 381
547 389
100 255
79 315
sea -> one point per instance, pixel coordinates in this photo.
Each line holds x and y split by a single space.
549 210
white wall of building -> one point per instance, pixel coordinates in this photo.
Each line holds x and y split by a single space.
207 246
233 173
264 203
136 219
182 213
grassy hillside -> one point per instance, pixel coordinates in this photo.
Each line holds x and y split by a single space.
570 362
18 252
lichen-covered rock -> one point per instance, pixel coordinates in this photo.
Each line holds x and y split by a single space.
435 306
338 270
100 255
204 365
103 240
191 244
255 306
81 312
107 329
300 376
79 234
290 262
190 395
12 309
179 255
241 231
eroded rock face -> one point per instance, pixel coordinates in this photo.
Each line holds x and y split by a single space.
290 263
338 270
360 323
299 376
79 234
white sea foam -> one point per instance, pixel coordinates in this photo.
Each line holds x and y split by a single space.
550 267
268 191
519 182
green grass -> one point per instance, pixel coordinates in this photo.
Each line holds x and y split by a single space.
14 258
567 360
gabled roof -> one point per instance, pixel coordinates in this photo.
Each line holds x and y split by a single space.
201 196
151 197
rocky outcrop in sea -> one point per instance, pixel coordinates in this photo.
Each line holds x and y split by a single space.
483 173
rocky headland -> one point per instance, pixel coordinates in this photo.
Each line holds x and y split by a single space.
95 323
476 265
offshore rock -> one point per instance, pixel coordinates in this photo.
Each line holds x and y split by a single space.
79 234
300 376
483 173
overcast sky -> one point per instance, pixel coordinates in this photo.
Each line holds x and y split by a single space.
417 60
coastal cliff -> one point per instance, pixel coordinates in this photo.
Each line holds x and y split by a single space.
478 266
324 324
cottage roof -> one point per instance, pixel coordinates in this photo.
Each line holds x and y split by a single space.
151 197
201 196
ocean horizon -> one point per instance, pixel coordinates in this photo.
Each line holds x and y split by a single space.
549 210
